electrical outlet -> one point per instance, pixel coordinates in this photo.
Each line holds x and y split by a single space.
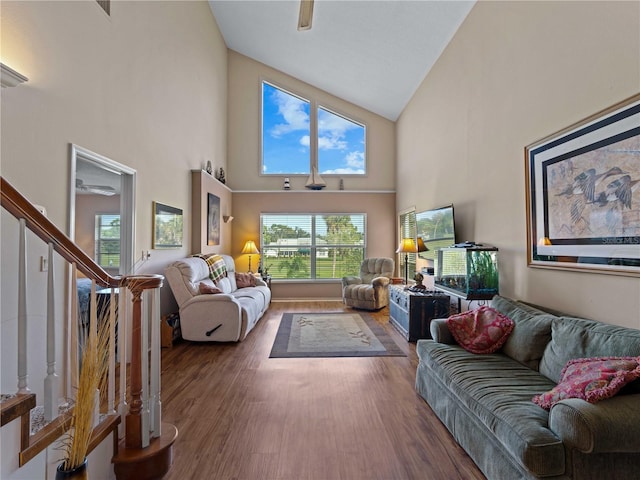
146 255
44 264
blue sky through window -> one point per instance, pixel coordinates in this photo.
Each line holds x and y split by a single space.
286 137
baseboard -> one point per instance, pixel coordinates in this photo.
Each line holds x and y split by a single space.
314 299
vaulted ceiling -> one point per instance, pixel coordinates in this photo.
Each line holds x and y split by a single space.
374 54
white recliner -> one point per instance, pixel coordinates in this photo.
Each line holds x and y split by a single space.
370 290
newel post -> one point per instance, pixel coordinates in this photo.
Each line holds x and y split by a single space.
134 436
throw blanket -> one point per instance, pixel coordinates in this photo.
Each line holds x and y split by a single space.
217 267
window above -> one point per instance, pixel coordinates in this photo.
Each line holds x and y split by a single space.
298 133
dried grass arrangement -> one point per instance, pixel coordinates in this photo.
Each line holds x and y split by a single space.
93 376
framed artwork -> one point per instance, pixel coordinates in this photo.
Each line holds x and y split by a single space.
583 194
167 226
213 219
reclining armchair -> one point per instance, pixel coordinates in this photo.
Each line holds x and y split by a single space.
369 291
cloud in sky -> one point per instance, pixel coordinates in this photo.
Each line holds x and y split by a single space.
353 164
293 111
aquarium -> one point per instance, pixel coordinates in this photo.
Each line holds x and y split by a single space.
468 272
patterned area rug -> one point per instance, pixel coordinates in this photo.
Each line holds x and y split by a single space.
332 335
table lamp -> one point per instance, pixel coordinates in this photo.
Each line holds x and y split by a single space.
406 246
251 249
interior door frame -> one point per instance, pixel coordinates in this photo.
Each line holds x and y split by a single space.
127 201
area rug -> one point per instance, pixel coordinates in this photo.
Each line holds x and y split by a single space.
332 335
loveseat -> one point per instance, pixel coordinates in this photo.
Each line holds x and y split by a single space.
485 400
213 308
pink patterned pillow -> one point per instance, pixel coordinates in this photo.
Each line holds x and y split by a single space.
483 330
591 379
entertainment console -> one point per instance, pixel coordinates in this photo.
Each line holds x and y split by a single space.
411 312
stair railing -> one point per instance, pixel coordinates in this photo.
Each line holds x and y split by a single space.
142 418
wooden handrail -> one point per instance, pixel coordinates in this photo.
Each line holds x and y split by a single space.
18 206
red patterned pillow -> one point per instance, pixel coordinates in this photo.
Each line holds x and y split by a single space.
205 288
591 379
483 330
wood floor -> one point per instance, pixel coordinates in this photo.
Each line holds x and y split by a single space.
241 415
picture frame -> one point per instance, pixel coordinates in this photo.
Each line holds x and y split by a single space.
213 220
167 226
583 194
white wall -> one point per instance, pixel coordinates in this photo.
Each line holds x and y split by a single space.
146 87
516 72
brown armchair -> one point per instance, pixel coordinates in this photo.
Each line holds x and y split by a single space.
369 291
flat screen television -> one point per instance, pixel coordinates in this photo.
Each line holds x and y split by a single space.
436 227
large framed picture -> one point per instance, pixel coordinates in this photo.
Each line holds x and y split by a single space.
167 226
583 194
213 219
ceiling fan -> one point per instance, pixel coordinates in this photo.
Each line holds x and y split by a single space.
95 189
306 15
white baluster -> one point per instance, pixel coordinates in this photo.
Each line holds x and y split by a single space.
51 380
22 310
156 404
111 393
73 324
123 334
144 366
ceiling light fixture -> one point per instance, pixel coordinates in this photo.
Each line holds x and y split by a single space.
306 15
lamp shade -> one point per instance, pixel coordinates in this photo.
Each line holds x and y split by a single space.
407 245
421 246
250 247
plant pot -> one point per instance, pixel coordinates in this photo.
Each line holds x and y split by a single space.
78 473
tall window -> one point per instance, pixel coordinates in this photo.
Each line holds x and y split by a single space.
297 133
108 241
312 246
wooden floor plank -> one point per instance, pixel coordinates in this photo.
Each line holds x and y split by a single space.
242 415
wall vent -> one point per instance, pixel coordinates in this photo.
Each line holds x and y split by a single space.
106 6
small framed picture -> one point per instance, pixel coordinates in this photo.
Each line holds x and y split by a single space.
167 226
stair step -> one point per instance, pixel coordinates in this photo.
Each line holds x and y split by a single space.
148 463
15 405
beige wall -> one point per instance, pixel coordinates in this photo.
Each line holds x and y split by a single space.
379 208
146 87
514 73
245 123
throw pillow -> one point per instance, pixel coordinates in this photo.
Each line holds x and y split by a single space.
591 379
483 330
204 289
244 280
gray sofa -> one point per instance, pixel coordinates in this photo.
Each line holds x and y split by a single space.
485 400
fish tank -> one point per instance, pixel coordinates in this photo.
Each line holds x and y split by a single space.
469 272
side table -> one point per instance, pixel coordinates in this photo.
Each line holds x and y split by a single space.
411 312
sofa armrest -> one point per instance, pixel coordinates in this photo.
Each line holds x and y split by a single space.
380 281
440 331
350 281
611 425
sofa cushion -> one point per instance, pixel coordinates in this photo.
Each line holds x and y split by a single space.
591 379
578 338
497 390
483 330
531 332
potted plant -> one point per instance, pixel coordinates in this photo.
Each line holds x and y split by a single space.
93 374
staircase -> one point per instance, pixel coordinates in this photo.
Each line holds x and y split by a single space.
130 406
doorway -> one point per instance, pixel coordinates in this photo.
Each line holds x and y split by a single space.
102 209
